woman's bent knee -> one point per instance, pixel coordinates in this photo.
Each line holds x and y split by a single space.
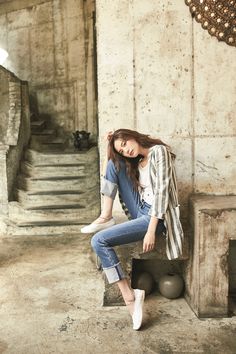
97 241
94 242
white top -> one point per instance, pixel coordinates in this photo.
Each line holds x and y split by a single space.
146 192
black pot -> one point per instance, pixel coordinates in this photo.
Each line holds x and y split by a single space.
81 139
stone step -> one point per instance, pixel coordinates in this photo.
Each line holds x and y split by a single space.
69 156
45 132
50 200
55 144
48 217
37 125
43 231
43 137
79 184
73 170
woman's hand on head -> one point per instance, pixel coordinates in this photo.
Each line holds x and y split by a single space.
149 241
108 135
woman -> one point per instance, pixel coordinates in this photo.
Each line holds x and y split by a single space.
141 168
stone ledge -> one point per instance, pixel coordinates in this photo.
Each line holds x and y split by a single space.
202 201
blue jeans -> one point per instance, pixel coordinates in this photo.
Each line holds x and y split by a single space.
130 231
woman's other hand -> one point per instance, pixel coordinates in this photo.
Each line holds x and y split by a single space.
149 241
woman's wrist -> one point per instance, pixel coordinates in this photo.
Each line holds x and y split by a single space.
152 224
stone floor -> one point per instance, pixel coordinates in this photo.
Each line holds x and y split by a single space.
50 302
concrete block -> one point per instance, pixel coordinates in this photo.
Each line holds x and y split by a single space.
76 30
79 214
58 199
58 184
207 276
19 53
59 171
39 230
215 165
162 68
60 38
3 178
15 112
59 194
73 8
70 157
214 85
43 13
3 32
4 105
40 40
115 65
59 102
74 57
20 18
42 60
30 16
76 48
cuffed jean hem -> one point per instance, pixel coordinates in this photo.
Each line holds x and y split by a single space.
114 273
108 188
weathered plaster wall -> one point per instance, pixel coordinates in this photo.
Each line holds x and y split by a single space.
161 73
50 44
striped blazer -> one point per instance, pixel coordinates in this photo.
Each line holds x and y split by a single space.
165 204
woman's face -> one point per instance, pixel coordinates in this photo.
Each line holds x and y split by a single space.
127 148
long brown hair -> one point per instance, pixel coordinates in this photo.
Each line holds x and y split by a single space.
131 163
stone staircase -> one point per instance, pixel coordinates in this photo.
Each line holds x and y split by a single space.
57 187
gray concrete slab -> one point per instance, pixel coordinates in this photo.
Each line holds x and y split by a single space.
50 302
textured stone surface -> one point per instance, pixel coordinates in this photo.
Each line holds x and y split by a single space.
115 65
54 193
162 68
207 273
145 75
14 119
214 86
51 45
215 165
51 296
3 178
177 85
4 104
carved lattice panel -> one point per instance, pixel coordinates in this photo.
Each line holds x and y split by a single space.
216 16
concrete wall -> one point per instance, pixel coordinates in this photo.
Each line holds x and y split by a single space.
160 73
50 44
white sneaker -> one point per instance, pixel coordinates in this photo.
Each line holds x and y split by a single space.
137 316
91 228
